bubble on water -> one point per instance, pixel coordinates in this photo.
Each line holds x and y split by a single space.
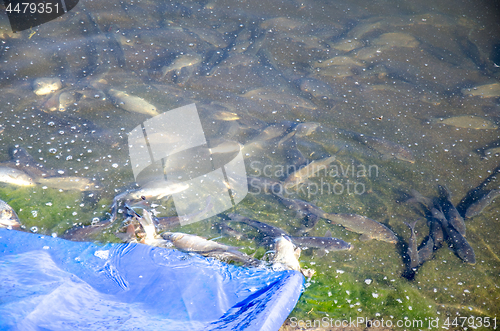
375 295
368 281
34 213
52 150
34 229
115 165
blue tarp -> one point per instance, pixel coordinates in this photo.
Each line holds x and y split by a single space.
49 283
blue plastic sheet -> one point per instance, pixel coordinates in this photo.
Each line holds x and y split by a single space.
53 284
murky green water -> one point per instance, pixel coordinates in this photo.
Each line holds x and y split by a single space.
395 66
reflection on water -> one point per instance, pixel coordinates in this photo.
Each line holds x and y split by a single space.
375 76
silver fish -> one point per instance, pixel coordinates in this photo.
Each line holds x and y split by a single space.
15 177
155 190
68 183
307 171
46 85
182 61
8 217
132 103
196 244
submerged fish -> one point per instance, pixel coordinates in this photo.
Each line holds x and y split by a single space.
450 212
85 232
46 85
491 151
325 243
22 160
418 197
389 149
465 122
436 232
154 190
459 243
412 246
68 183
315 87
305 129
272 131
132 103
368 228
396 39
426 251
8 217
304 209
15 177
264 94
478 206
182 61
265 229
385 147
229 231
307 171
485 91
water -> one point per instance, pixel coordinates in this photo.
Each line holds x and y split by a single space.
404 63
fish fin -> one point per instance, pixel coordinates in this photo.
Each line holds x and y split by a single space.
365 237
320 252
328 234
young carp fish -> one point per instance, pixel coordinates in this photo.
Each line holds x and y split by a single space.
368 228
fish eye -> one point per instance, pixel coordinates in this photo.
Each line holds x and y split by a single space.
143 197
